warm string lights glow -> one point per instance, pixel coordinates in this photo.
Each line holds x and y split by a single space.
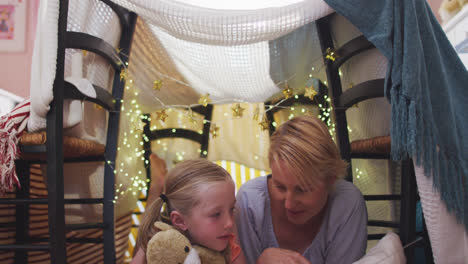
360 173
127 144
132 141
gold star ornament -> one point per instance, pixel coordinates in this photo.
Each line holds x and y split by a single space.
214 130
123 74
265 125
157 85
161 115
237 110
204 100
331 54
139 125
288 92
310 92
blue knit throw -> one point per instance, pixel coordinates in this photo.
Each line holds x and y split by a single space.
427 86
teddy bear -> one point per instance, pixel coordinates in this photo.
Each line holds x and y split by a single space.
170 246
449 8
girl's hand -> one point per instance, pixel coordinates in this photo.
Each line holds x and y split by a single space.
281 256
139 258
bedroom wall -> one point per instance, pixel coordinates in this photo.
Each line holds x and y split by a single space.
435 4
15 68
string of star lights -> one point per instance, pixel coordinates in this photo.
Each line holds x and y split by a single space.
136 184
133 139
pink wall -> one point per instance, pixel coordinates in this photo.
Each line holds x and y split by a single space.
15 68
435 4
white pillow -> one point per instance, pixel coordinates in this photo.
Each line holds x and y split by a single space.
388 251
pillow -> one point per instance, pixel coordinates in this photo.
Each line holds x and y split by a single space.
388 251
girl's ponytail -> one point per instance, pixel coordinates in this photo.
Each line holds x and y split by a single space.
146 230
182 192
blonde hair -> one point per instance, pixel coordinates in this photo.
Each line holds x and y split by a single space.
182 189
306 149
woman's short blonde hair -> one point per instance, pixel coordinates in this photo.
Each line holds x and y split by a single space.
182 188
306 149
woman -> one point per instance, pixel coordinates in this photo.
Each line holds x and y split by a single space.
303 212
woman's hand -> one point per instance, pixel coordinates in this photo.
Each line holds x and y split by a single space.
281 256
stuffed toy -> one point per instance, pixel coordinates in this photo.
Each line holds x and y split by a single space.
170 246
449 8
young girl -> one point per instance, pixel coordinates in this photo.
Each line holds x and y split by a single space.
198 199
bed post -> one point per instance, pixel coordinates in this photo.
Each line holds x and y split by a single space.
128 28
55 181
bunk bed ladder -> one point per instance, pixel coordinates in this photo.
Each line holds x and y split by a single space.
54 144
361 149
56 243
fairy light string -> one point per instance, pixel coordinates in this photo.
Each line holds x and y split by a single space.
133 139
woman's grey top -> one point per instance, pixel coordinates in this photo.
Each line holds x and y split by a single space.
342 238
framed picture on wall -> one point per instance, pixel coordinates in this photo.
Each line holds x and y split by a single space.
12 25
